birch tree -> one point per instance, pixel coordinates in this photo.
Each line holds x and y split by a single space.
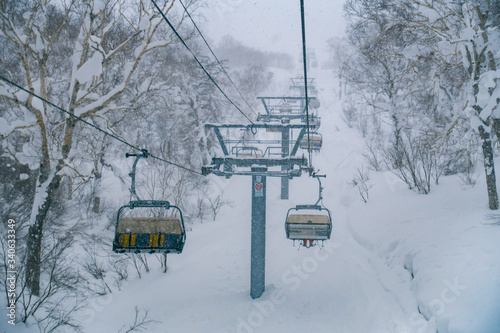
468 33
455 44
82 55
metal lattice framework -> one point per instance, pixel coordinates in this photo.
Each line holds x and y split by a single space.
239 158
233 162
297 83
286 109
245 155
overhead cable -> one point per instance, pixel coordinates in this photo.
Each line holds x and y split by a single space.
199 62
217 59
305 81
96 127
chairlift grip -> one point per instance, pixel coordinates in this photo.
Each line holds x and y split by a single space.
132 174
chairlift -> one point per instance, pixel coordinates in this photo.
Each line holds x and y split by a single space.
309 223
142 226
285 108
315 141
314 121
314 103
252 152
272 129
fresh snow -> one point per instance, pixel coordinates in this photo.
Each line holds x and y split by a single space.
402 262
91 68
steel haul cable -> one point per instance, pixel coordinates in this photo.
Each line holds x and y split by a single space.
96 127
199 62
302 18
217 59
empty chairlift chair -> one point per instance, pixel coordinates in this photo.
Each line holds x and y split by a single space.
148 226
141 234
308 223
315 141
314 103
285 108
314 121
252 152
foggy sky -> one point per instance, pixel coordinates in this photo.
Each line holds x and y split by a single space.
274 25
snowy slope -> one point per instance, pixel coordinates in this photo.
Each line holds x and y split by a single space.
402 262
335 288
356 283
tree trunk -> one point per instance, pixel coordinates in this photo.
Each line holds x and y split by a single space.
496 127
96 205
489 167
35 235
164 263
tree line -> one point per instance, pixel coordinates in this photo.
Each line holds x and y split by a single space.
117 65
420 80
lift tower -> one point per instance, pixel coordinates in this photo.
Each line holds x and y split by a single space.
242 156
287 110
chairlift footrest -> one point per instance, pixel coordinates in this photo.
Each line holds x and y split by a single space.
314 207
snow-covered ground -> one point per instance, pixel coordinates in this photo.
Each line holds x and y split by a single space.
402 262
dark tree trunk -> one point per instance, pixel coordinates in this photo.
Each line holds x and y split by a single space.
164 263
96 205
496 127
34 257
35 235
489 167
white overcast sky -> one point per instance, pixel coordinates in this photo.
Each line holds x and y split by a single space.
274 25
